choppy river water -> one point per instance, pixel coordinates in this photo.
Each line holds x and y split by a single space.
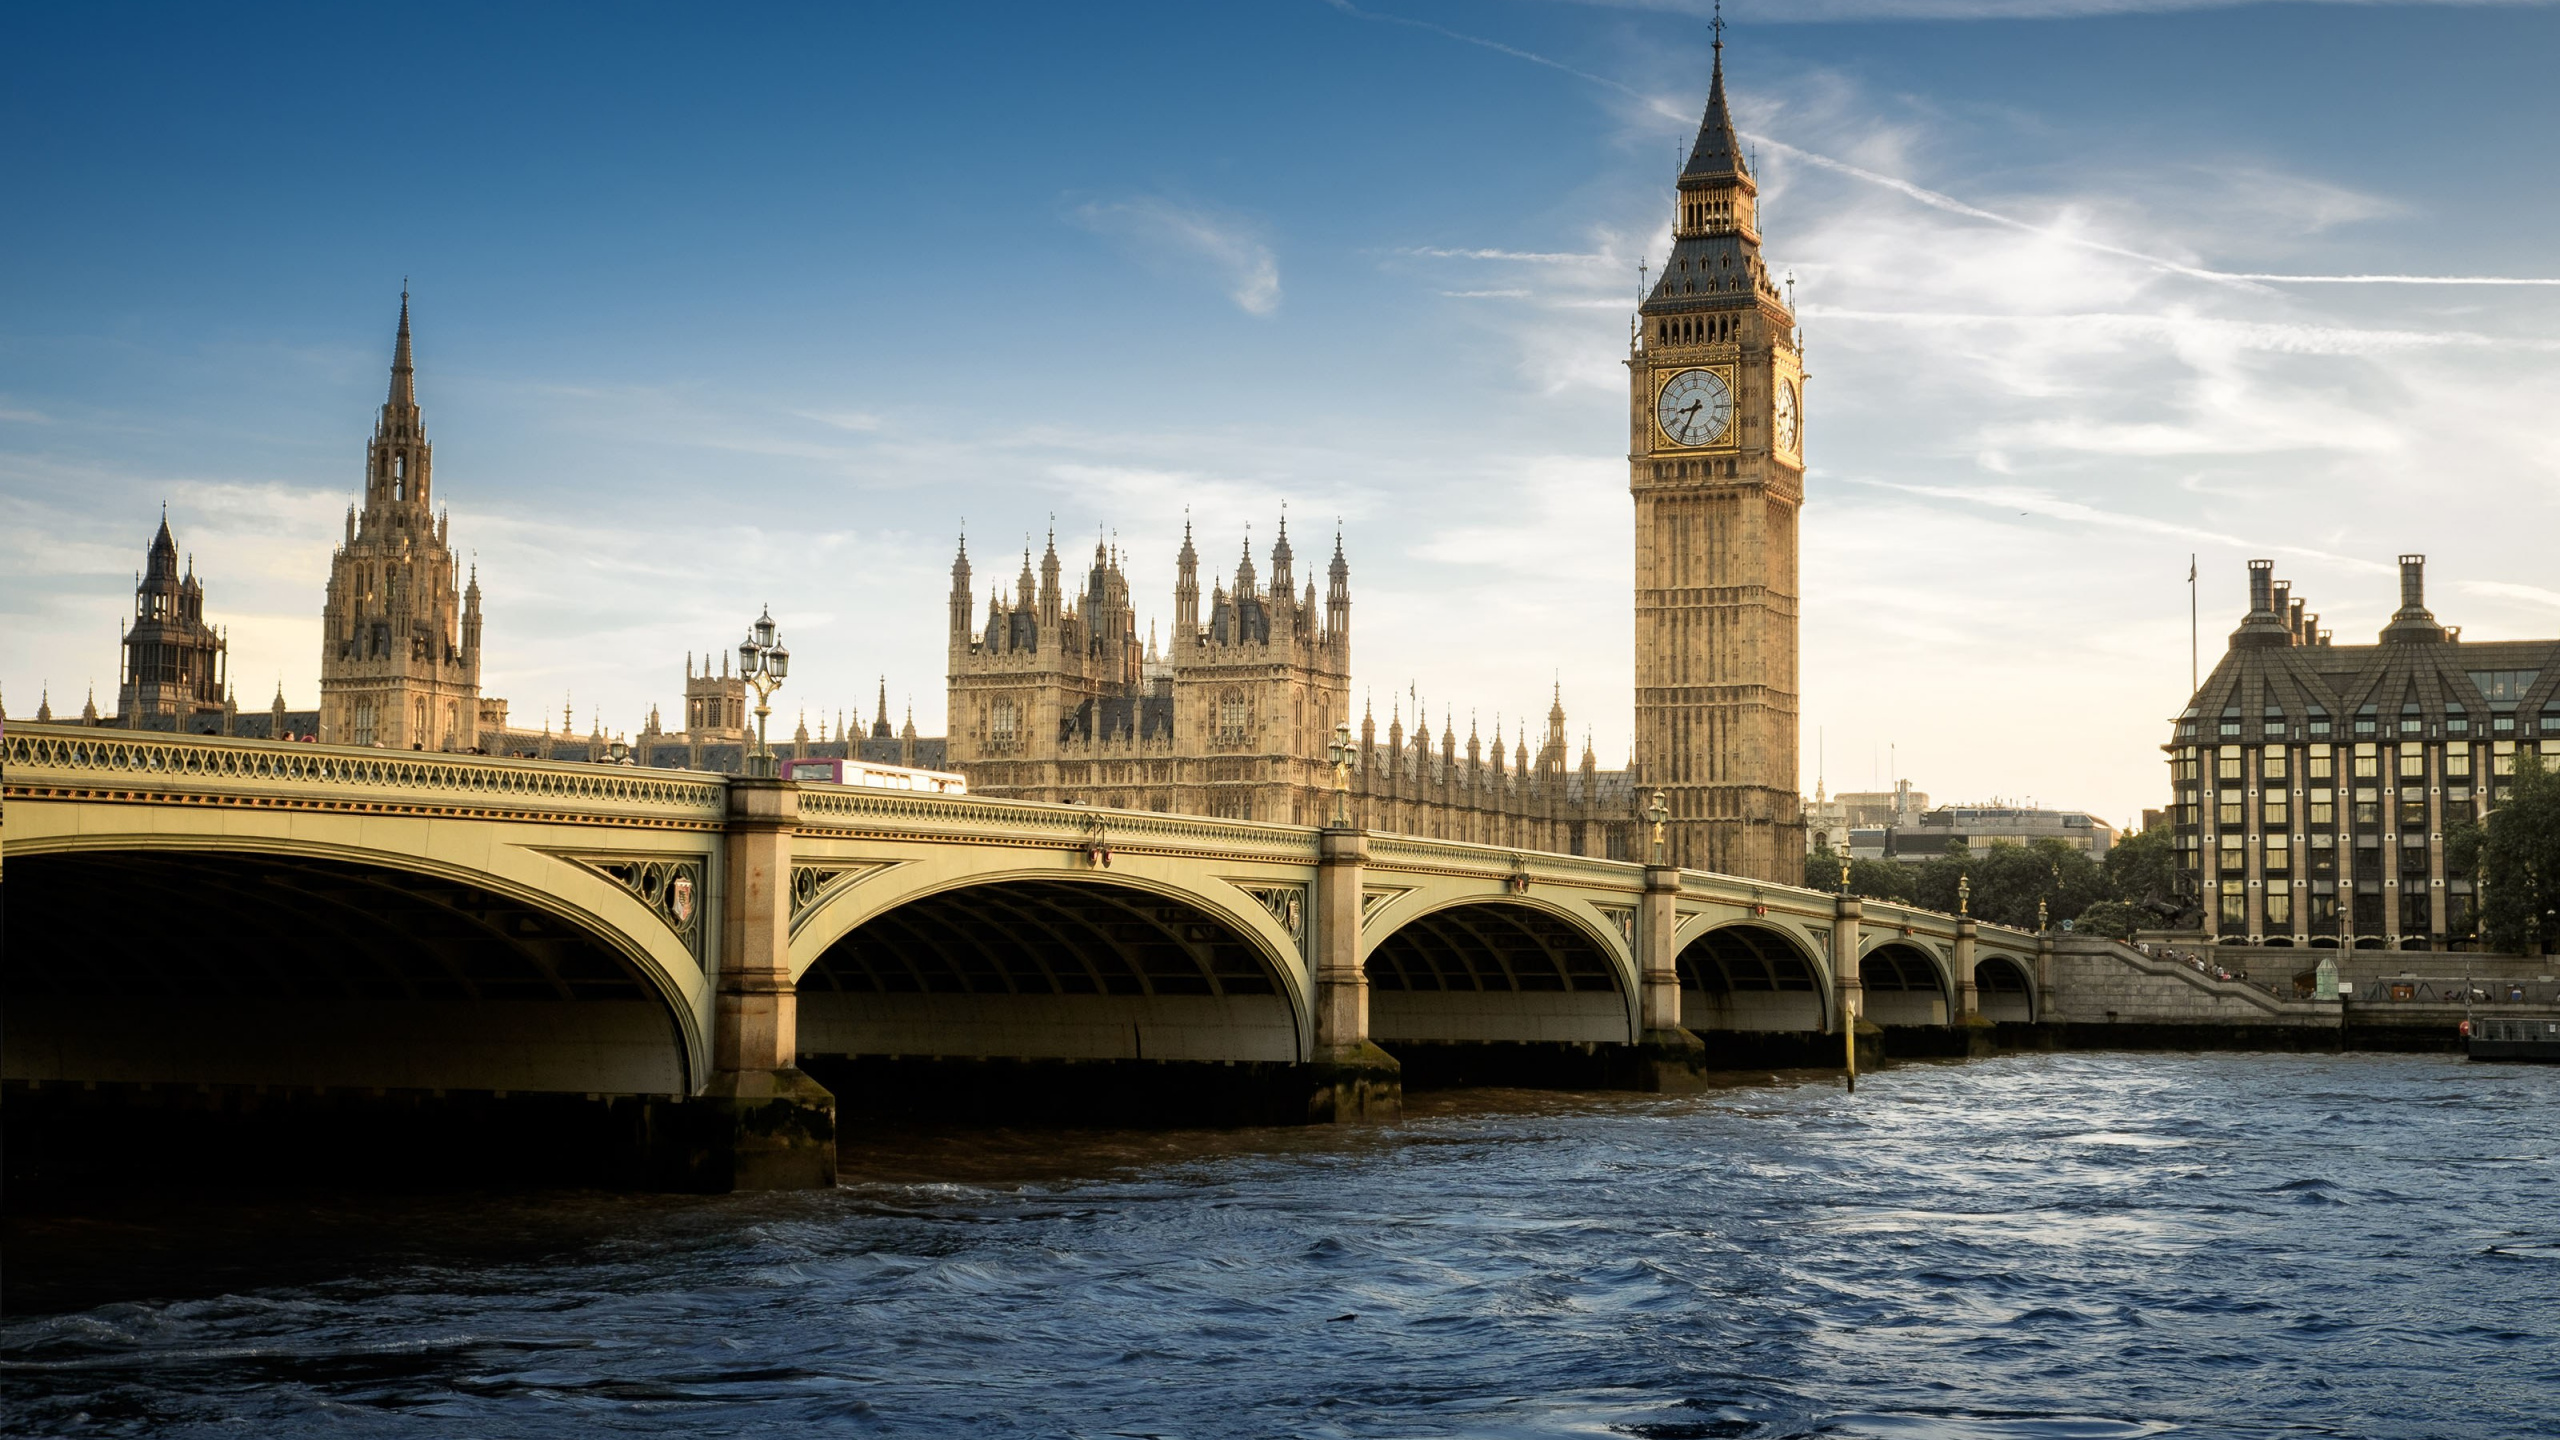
2068 1246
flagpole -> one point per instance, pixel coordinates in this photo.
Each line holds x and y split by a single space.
2192 652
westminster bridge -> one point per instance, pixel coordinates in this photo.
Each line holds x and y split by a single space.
215 918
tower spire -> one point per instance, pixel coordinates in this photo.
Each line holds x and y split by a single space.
404 382
1716 153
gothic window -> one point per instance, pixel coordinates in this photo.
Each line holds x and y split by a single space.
1233 713
1003 725
364 722
420 720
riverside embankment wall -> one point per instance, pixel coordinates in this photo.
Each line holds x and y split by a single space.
2106 994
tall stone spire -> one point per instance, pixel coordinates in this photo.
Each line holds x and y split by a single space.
401 626
404 375
1186 590
1715 156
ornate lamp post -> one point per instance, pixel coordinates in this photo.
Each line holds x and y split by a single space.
1659 812
1964 894
617 753
1844 871
763 662
1340 753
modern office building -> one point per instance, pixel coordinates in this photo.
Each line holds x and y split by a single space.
2314 782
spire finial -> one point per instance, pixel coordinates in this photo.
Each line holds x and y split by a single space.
404 390
1718 26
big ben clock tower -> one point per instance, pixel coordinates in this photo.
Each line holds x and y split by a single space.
1717 469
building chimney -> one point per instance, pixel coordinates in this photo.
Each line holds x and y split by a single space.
2412 623
2265 625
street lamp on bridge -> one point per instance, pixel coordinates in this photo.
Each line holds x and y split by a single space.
1340 753
763 662
1660 814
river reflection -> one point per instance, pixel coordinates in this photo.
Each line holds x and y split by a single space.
2088 1245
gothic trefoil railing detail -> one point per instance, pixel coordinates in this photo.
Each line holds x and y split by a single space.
147 758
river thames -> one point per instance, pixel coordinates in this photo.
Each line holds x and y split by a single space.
2032 1246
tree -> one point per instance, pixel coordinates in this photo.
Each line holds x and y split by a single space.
2144 867
2113 919
1872 879
2519 859
2008 879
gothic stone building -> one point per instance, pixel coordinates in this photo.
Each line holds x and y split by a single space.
399 638
1717 469
174 670
2314 782
173 661
1053 697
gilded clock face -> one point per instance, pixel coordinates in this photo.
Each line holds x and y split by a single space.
1787 420
1695 408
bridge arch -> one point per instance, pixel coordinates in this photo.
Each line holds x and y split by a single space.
2004 989
1742 975
1052 964
1458 971
1903 984
253 960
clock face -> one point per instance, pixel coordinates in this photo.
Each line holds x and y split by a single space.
1787 419
1695 408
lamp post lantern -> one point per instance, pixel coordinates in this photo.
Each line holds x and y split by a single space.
763 662
1659 812
1340 753
1964 894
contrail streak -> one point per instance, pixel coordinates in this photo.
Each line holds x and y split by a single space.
1935 199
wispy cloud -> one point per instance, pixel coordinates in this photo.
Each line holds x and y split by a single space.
860 422
2509 590
1783 12
1937 200
1528 257
1162 232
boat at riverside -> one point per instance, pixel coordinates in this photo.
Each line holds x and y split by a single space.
2512 1037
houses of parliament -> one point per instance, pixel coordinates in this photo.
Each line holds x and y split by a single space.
1052 695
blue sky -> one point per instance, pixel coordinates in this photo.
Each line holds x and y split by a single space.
718 309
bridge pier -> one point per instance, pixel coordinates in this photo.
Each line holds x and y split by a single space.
1849 989
1666 1057
1968 1021
760 1124
1352 1079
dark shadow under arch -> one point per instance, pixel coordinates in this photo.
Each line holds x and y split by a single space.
1047 969
2002 990
1494 971
1902 986
225 968
1749 977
